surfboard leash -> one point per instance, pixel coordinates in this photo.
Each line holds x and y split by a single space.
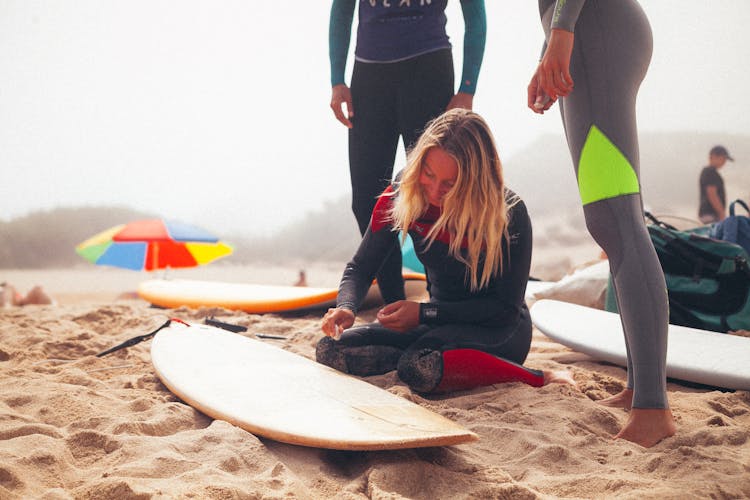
231 327
140 338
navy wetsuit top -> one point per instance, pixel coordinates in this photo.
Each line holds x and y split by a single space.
391 31
451 299
388 32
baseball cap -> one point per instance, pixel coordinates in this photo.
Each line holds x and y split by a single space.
721 151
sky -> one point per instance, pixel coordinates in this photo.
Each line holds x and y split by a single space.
216 113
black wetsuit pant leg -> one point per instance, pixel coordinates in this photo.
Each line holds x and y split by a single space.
373 349
391 101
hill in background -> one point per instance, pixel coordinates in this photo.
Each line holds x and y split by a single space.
541 174
48 238
325 235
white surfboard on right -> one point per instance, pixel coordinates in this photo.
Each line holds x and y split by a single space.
533 287
699 356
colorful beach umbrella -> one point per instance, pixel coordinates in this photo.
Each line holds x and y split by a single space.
153 244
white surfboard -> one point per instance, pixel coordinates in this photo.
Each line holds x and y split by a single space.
533 287
693 355
285 397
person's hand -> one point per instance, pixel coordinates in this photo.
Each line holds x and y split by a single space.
461 100
552 77
554 69
336 320
539 102
401 316
340 96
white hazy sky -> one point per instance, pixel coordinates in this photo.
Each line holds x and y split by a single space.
216 112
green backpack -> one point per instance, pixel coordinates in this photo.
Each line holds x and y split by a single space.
708 280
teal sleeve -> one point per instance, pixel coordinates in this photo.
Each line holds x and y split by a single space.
339 34
566 14
475 37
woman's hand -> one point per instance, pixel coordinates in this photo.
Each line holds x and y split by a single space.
401 316
461 100
340 96
552 77
336 320
539 102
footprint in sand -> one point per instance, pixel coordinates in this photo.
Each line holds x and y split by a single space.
88 447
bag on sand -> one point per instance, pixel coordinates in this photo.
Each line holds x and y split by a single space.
735 228
708 280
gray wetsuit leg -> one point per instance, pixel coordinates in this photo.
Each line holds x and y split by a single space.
612 51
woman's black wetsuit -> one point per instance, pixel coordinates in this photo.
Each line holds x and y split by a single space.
461 333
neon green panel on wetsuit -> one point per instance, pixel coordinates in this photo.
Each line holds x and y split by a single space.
603 171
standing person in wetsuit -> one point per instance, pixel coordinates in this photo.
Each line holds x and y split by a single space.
403 77
713 201
473 236
597 53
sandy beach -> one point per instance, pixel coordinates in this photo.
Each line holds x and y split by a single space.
76 426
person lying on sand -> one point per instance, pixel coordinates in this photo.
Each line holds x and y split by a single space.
9 296
473 236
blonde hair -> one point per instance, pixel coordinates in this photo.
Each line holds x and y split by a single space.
475 209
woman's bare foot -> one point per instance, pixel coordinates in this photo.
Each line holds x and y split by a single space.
623 399
558 377
648 426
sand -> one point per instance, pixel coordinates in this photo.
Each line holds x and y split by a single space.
76 426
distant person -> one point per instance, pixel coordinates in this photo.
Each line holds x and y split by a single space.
713 203
473 236
302 279
403 77
596 55
9 296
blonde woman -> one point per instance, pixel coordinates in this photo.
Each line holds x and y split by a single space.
473 236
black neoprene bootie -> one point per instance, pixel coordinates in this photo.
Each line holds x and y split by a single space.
327 353
363 360
421 370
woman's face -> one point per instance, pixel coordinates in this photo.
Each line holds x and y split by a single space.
438 175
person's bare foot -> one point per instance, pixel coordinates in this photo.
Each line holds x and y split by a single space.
558 377
623 399
37 296
648 426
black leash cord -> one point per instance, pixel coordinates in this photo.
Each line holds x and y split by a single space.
139 338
